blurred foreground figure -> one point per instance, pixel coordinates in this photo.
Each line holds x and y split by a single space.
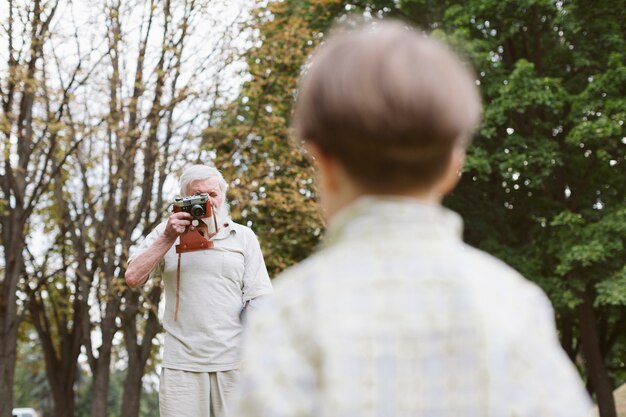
395 315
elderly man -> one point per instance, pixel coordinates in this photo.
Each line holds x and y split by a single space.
206 293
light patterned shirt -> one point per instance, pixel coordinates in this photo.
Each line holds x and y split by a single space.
396 316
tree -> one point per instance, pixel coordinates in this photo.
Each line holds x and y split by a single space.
92 174
544 181
544 184
153 92
34 149
272 178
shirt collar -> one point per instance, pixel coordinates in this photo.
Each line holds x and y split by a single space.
393 215
225 229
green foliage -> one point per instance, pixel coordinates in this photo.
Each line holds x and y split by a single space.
587 245
612 291
544 184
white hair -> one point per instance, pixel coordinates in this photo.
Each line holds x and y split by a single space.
201 172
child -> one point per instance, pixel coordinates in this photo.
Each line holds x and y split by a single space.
395 315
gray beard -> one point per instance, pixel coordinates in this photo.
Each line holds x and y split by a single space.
221 216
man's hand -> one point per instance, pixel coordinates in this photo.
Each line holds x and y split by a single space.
177 224
139 269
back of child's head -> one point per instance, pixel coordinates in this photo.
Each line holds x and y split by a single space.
389 103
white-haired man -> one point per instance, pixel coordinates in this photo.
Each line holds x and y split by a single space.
205 296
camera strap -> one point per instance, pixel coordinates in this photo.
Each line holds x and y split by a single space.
193 240
177 288
214 216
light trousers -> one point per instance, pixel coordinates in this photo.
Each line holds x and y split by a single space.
195 394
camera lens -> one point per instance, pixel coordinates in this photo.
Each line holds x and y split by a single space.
197 210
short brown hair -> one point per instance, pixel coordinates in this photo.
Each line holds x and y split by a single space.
390 103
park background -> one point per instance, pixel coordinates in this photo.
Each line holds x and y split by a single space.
104 102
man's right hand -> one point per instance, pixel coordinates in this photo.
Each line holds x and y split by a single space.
177 224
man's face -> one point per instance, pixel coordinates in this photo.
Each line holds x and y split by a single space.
210 187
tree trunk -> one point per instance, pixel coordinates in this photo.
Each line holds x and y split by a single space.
13 245
63 397
62 379
8 347
138 353
102 368
19 164
132 389
594 362
100 387
62 361
9 324
566 333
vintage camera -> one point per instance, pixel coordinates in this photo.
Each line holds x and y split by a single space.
196 205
